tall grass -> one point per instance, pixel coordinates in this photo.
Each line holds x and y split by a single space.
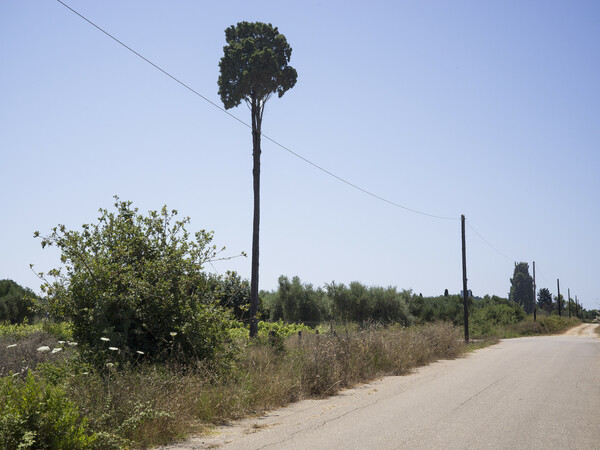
543 325
151 405
147 405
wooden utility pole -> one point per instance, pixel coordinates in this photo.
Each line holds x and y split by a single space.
534 294
465 291
558 296
569 294
576 307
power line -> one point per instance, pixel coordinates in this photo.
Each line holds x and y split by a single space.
540 273
364 191
490 245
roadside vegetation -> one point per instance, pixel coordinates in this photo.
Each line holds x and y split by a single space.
134 345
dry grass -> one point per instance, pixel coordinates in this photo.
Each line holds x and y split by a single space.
20 353
148 406
321 365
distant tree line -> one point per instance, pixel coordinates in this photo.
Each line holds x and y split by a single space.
298 302
16 302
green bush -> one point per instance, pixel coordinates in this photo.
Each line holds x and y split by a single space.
19 330
39 416
233 292
555 324
273 333
133 285
60 330
485 319
447 308
16 302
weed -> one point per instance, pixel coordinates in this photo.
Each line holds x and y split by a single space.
34 414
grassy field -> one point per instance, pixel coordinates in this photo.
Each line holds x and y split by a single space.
53 397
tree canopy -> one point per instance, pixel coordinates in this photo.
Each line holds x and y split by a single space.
255 64
545 299
16 302
521 289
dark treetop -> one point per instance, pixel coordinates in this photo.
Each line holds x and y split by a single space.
255 64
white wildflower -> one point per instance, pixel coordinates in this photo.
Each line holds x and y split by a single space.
114 349
72 344
11 346
56 350
173 333
43 348
61 342
140 352
105 339
109 365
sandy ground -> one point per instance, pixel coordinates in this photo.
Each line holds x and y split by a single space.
585 329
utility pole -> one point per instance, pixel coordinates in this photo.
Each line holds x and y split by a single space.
569 293
464 265
534 294
576 307
558 296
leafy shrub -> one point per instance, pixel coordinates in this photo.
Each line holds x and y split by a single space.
37 415
485 319
556 324
448 308
233 292
135 284
60 330
273 333
19 330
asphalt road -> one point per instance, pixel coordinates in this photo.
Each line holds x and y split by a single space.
526 393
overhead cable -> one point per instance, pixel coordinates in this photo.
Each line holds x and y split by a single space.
378 197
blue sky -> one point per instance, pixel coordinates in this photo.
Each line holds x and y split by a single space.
488 109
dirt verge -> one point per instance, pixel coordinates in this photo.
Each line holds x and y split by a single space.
585 329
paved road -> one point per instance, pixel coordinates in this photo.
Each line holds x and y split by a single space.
527 393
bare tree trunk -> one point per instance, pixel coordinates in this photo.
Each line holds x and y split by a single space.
256 125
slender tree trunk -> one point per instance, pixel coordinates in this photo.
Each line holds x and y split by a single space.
256 125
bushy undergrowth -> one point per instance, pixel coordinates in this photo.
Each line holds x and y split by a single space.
543 325
490 319
144 405
37 415
60 330
140 405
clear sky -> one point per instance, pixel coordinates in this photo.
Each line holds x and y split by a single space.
487 109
